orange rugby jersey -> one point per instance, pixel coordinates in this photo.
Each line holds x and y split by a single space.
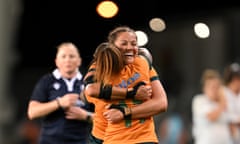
137 130
99 122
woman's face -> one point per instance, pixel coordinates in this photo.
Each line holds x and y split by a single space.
212 87
68 59
127 43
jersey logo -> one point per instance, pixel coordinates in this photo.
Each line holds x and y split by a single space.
56 86
129 81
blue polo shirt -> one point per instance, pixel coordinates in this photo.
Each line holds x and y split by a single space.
56 129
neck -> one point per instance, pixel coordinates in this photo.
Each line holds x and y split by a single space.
69 75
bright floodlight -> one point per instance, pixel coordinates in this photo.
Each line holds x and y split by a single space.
142 38
107 9
201 30
157 24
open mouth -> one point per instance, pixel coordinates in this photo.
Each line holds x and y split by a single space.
129 54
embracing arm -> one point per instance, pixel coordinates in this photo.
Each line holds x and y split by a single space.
93 90
157 104
107 92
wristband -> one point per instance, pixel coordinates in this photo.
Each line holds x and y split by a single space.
127 112
105 92
131 94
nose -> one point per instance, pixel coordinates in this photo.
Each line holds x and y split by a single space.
129 47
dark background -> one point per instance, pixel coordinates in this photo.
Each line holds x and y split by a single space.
46 23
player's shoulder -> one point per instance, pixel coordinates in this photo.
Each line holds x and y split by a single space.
140 58
142 61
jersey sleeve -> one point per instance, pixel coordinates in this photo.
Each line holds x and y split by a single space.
153 74
40 90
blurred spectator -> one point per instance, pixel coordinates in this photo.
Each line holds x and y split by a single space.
232 90
210 121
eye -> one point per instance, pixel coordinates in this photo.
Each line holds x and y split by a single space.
134 44
63 56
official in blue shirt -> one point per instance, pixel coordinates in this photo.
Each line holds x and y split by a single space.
56 99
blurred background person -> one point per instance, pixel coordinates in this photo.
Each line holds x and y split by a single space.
210 120
232 92
56 99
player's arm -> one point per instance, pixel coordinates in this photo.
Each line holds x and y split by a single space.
109 92
157 104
